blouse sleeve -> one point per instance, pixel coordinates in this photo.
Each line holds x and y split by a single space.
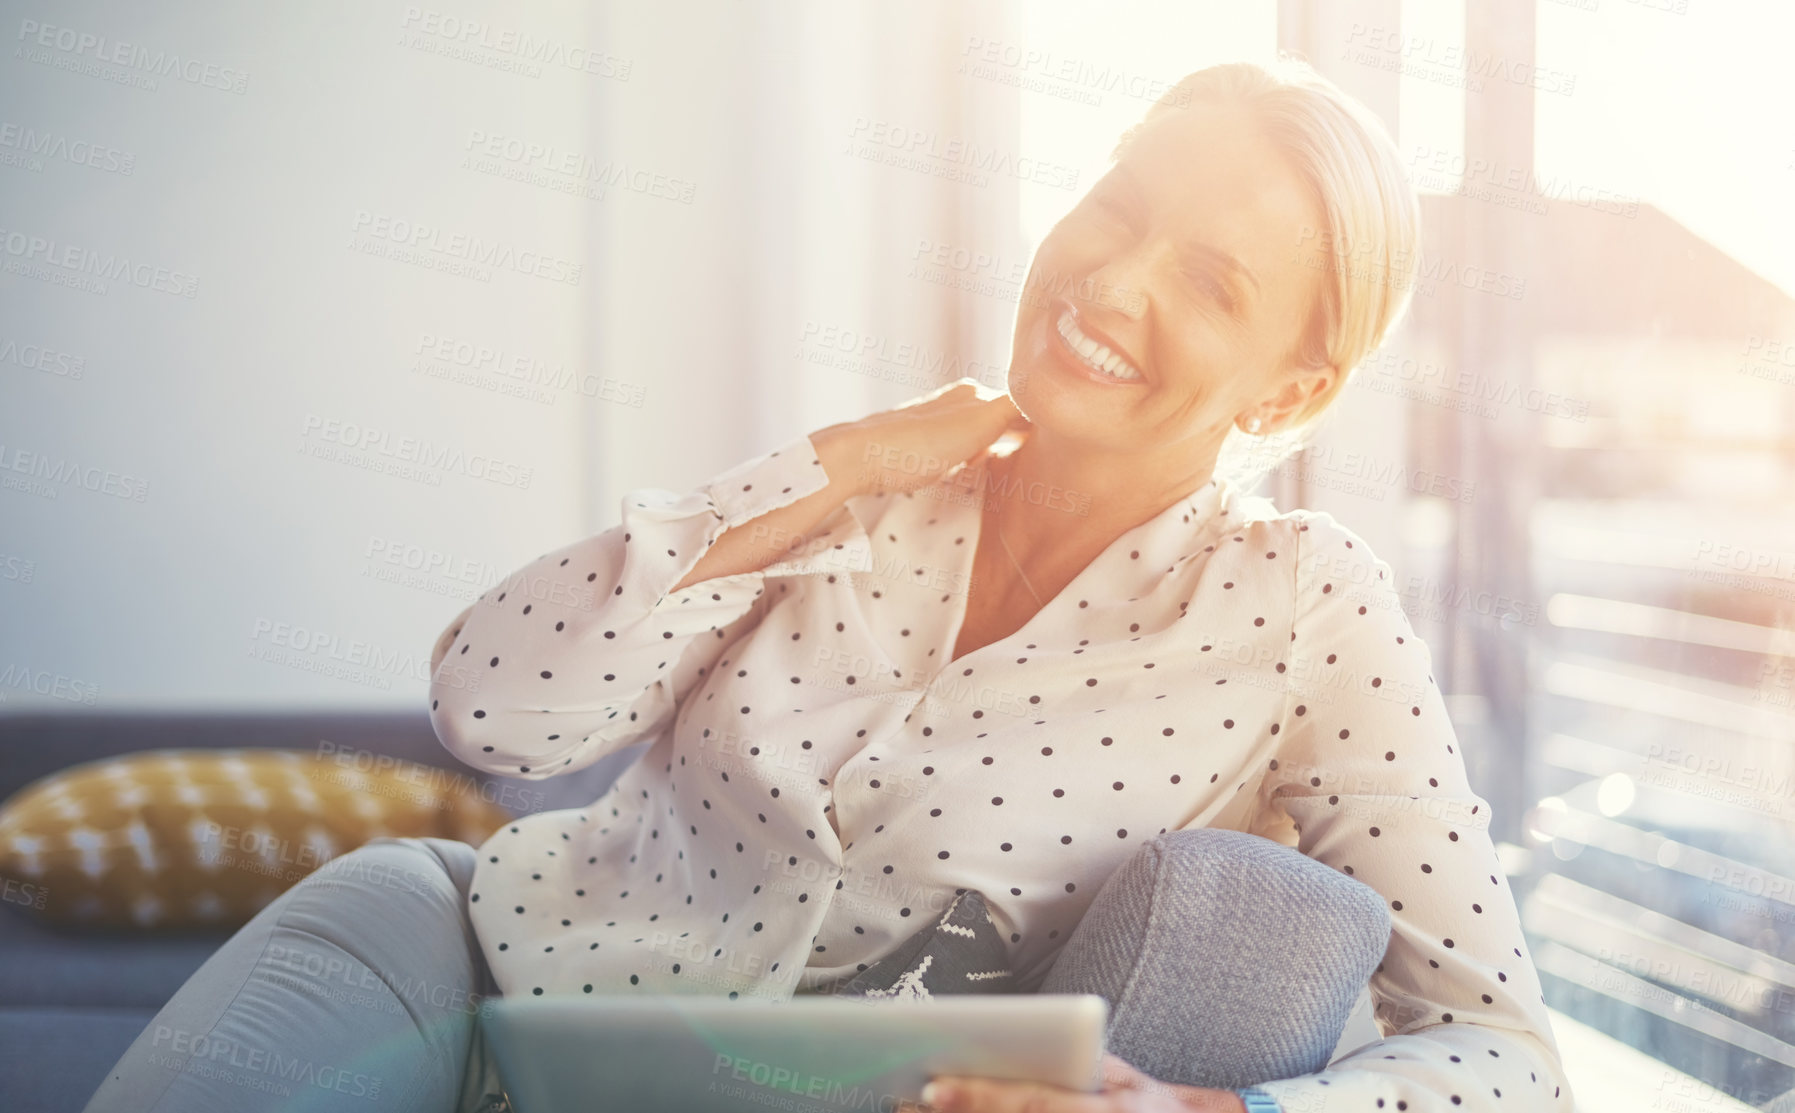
1369 774
587 649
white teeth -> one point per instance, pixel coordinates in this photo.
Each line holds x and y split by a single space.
1098 357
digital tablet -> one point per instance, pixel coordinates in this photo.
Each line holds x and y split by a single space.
806 1054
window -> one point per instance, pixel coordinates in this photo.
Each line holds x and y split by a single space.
1589 509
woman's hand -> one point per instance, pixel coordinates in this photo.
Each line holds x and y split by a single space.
913 445
1125 1090
894 450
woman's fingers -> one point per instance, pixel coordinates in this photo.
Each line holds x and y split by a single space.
1118 1074
1125 1090
1152 1094
914 444
965 1094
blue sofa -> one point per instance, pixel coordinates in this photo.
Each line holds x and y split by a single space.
71 1003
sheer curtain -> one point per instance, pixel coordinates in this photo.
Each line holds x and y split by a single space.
829 146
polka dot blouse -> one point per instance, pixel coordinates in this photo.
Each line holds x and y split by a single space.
823 779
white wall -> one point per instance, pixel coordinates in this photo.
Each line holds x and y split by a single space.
222 532
742 227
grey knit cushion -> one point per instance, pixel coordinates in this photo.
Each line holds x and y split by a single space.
1227 959
959 953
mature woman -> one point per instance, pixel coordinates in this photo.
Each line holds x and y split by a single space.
890 662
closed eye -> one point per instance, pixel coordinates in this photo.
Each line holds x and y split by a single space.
1212 287
1113 208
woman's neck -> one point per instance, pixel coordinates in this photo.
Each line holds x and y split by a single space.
1054 496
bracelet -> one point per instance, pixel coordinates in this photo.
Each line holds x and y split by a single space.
1258 1101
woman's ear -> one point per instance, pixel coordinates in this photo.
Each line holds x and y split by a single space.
1300 395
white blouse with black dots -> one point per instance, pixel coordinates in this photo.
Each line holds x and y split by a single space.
824 778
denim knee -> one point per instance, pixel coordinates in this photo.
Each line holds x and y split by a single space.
366 973
402 867
391 902
1227 959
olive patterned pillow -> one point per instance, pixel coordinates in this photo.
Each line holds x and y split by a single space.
177 840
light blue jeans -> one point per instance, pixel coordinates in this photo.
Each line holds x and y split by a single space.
1227 960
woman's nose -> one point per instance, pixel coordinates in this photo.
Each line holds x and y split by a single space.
1123 283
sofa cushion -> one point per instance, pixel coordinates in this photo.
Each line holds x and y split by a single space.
42 965
176 839
54 1059
34 745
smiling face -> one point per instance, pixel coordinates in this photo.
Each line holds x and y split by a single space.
1180 273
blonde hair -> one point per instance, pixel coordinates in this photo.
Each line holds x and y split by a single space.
1369 246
